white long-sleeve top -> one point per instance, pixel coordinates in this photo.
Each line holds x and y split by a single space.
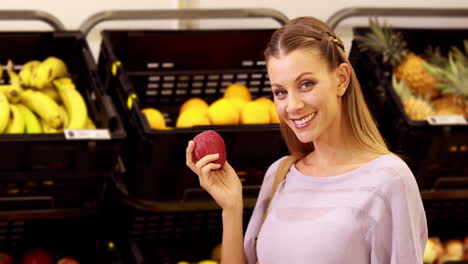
373 214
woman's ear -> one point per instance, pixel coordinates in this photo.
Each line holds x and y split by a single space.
343 74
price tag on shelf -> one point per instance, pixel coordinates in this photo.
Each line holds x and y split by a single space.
77 134
439 120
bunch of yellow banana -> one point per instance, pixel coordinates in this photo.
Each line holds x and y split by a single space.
41 99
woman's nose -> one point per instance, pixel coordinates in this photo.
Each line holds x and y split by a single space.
294 103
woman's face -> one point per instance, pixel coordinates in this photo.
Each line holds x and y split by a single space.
306 94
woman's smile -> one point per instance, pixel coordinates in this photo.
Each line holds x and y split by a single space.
304 121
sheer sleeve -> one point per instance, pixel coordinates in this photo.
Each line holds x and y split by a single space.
259 211
400 233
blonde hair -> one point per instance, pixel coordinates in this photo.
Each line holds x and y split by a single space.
311 33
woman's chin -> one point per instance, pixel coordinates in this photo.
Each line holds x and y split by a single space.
305 137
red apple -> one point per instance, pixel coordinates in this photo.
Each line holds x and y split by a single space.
5 258
210 142
68 260
37 256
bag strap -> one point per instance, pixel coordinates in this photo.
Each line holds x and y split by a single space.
281 172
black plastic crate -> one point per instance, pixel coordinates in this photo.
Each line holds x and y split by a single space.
47 171
437 155
79 238
165 68
147 233
446 213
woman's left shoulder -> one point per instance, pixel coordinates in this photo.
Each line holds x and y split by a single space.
393 170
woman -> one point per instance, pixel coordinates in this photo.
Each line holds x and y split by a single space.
347 198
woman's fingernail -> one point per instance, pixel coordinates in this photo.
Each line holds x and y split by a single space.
217 155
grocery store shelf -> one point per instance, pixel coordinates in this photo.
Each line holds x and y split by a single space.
167 206
97 18
342 14
32 15
47 214
443 195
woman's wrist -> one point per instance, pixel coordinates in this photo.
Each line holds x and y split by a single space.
234 210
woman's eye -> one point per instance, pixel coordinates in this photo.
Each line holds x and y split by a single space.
280 93
307 84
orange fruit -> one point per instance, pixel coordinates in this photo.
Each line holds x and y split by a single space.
194 102
238 104
274 118
236 90
270 105
221 112
265 101
154 117
255 113
193 117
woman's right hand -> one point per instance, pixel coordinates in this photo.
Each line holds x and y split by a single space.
221 182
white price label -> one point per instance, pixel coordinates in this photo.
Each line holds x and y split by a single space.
438 120
87 134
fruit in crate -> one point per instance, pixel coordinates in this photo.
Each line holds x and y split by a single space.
237 90
58 105
453 251
406 65
49 69
216 252
237 105
5 258
255 113
37 256
266 102
44 107
433 251
209 142
154 117
220 112
75 106
274 117
208 261
16 124
31 122
270 105
4 112
26 73
193 117
465 248
68 260
193 103
453 76
416 107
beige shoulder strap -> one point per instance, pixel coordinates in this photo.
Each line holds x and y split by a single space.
281 172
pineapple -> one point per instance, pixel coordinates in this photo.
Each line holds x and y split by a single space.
407 66
451 105
454 83
416 107
434 56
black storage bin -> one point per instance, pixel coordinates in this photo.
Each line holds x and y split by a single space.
437 155
163 69
145 234
79 238
47 171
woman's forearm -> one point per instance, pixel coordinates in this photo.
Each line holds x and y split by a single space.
233 238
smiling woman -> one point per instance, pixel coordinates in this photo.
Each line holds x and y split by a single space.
341 196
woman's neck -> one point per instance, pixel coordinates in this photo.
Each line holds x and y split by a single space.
337 148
